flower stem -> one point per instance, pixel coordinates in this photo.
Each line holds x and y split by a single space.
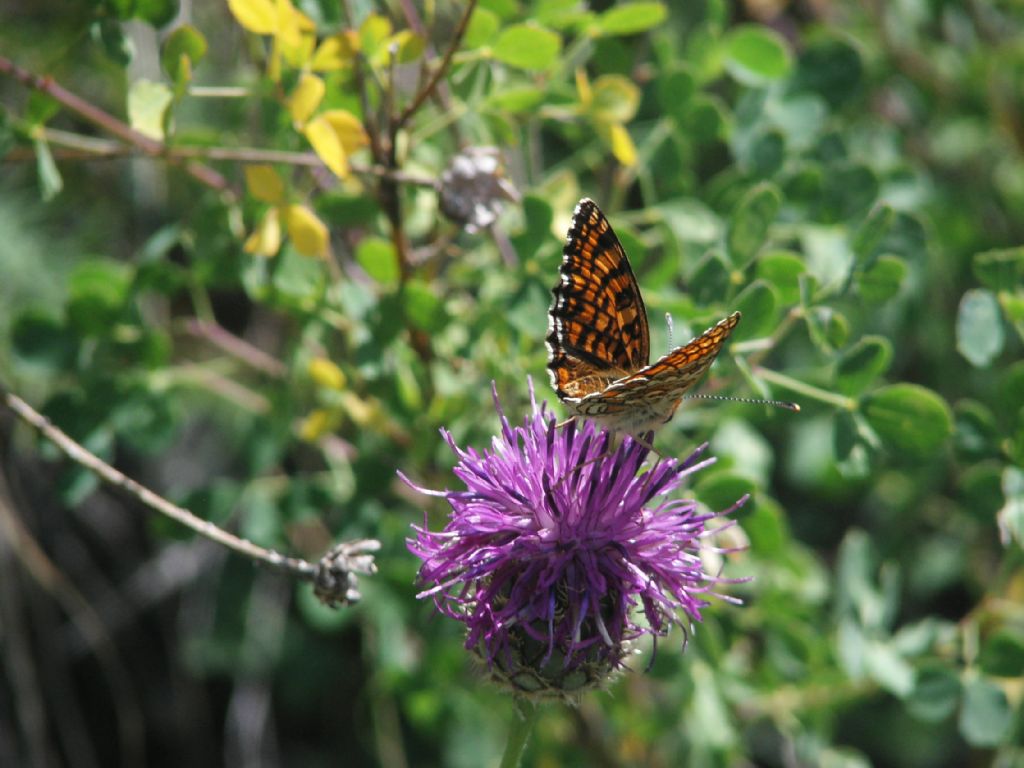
522 724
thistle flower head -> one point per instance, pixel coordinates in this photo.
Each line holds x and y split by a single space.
560 552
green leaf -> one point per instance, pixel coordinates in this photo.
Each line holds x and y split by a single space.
156 12
756 55
848 191
184 44
909 418
377 256
1012 305
887 668
483 26
837 329
675 89
862 363
831 68
40 108
147 107
630 18
50 180
7 135
42 340
691 220
1010 516
763 156
111 37
527 46
870 234
749 225
1002 654
782 270
517 99
976 434
1000 269
97 293
504 9
979 327
765 524
710 280
707 120
757 303
1011 390
936 693
985 714
720 490
422 307
882 280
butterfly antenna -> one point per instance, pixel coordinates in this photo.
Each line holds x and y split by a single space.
668 322
749 401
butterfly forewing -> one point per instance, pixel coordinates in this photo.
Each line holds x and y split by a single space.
598 326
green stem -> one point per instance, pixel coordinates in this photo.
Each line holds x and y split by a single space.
525 715
795 385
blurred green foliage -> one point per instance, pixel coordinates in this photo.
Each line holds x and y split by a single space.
268 342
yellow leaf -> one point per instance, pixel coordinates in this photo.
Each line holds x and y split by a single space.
362 412
326 374
308 233
622 144
259 16
318 423
373 32
306 98
294 34
274 62
583 88
327 145
298 54
410 45
615 98
266 238
335 52
348 128
264 183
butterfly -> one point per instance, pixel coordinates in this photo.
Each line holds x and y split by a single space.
599 343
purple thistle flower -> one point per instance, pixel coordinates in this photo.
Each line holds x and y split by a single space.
552 547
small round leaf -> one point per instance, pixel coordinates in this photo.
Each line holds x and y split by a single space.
909 418
527 46
979 327
985 714
755 55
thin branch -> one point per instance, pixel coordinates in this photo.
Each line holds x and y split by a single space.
333 576
80 147
238 348
439 73
108 122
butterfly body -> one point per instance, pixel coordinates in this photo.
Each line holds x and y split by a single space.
598 339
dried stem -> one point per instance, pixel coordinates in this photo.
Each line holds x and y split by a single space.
80 147
238 348
426 90
109 123
333 576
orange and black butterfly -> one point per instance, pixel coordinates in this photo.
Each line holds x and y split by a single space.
598 341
